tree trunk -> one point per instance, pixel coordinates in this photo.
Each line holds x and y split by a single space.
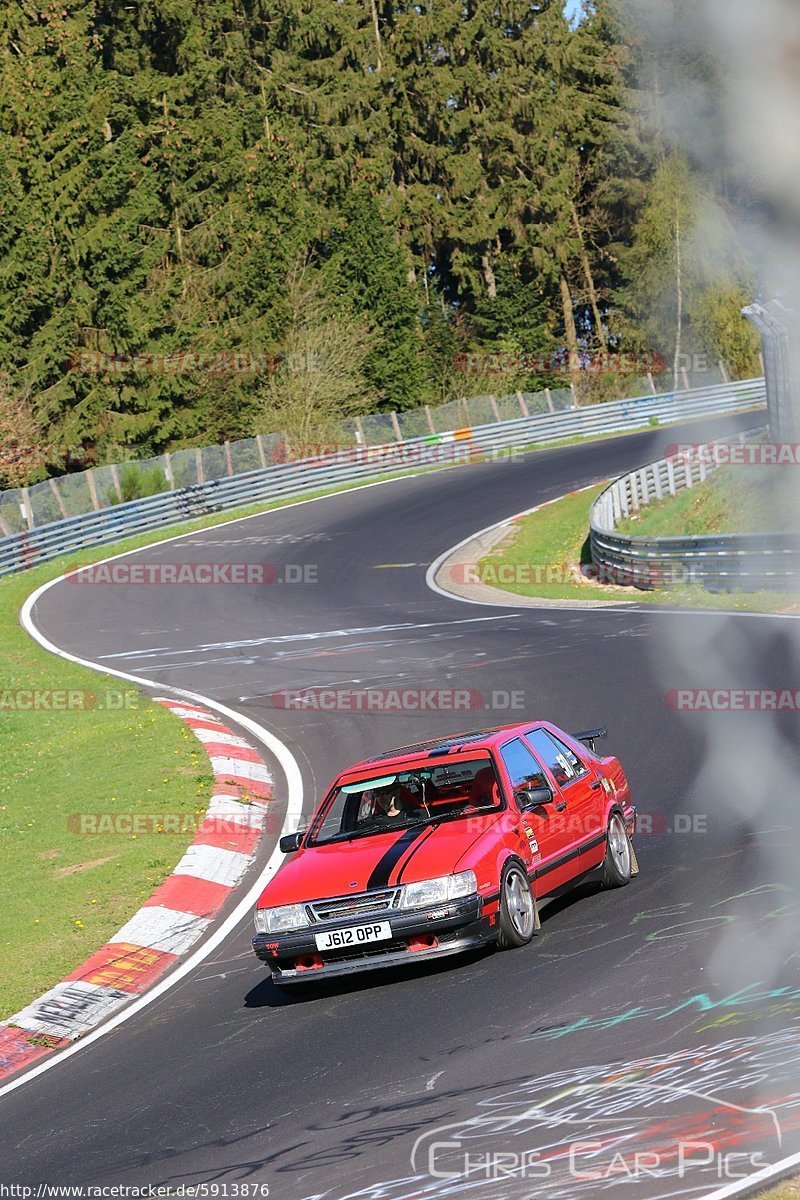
570 332
376 27
178 234
489 276
587 271
679 294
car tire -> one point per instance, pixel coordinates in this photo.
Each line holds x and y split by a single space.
519 917
619 860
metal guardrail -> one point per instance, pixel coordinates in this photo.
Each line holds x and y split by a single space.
23 550
102 484
720 562
780 341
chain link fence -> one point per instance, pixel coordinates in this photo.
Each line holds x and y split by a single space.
102 487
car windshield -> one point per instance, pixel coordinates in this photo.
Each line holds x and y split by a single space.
444 791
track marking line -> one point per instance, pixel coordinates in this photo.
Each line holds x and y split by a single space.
625 607
170 928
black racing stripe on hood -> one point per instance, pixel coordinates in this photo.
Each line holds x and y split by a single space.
430 830
387 863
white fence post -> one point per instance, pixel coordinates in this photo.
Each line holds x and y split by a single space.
623 497
671 477
25 507
659 487
687 473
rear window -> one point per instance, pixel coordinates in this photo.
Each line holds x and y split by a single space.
562 762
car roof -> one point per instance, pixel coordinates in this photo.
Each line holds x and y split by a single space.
451 743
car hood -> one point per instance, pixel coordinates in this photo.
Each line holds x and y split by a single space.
381 860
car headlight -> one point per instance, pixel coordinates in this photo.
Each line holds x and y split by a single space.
439 891
280 920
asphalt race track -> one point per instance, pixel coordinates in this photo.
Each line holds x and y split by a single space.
647 1041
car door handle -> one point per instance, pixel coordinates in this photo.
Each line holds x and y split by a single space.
596 785
560 807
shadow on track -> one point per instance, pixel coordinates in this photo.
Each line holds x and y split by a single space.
269 995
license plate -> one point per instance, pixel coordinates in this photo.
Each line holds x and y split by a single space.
355 935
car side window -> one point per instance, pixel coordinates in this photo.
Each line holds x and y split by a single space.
563 763
523 769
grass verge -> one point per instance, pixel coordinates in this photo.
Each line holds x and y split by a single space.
786 1191
73 743
731 500
544 553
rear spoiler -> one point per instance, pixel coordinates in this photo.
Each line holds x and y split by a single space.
590 736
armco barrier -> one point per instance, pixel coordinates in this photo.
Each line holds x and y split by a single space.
720 562
22 550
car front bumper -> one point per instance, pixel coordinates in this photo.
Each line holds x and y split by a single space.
417 936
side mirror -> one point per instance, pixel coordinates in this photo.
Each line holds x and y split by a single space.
532 797
290 842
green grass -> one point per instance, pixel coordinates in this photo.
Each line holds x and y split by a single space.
65 892
556 537
786 1191
732 500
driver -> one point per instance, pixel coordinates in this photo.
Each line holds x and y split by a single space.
392 802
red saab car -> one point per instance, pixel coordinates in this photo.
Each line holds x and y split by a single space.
439 847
